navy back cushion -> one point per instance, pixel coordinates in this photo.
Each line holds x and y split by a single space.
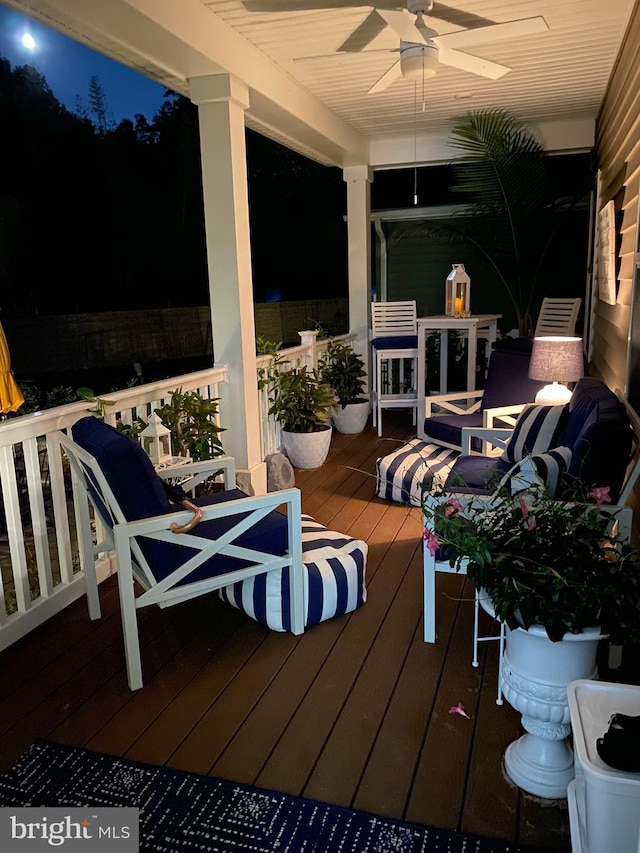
126 467
508 380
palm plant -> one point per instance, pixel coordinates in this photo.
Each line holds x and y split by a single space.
512 215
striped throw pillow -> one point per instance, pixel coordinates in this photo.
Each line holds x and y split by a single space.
544 469
536 430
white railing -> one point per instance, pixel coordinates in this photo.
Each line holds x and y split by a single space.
40 563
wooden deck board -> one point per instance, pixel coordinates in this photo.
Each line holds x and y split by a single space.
354 712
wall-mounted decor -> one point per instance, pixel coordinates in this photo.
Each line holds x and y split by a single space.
606 253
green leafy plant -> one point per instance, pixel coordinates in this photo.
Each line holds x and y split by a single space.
268 375
191 419
559 564
100 405
343 369
300 400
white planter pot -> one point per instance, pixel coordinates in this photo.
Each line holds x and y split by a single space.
534 678
307 449
351 419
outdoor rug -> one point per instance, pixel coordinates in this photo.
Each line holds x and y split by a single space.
183 811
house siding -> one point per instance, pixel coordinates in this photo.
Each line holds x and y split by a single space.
618 149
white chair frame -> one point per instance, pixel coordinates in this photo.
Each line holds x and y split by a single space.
393 319
133 567
557 317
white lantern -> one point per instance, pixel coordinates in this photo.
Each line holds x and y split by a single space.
156 441
458 293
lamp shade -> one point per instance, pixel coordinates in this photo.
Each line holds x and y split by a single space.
556 359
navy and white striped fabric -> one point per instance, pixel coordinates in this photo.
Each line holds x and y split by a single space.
334 581
402 475
536 430
543 469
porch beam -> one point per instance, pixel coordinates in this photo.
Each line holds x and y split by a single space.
221 102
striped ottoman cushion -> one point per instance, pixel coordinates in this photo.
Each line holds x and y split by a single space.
334 581
402 475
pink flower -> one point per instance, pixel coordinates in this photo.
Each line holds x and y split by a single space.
459 709
453 507
431 541
600 494
524 508
532 523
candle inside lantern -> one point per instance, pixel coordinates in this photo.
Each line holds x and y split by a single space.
458 306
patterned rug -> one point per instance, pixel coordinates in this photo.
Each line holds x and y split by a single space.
182 811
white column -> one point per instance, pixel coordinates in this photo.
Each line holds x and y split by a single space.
221 101
358 180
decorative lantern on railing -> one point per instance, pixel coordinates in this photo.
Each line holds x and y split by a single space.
458 293
156 441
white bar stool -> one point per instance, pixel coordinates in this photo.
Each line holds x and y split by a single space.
394 338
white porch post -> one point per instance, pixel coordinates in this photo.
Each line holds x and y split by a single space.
221 101
358 180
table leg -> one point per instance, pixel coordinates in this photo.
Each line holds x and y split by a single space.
471 358
444 359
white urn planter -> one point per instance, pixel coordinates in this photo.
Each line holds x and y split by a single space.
307 449
353 418
534 677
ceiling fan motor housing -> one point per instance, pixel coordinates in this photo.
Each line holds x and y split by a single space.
418 61
415 6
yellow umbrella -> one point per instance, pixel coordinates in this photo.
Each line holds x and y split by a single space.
10 395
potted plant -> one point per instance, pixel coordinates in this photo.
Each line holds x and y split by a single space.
192 420
302 403
343 369
559 575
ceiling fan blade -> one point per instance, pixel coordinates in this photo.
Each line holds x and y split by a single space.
363 35
308 5
389 77
404 25
473 64
495 32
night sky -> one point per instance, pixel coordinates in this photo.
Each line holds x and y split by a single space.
68 66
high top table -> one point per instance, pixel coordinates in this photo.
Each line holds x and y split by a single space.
476 326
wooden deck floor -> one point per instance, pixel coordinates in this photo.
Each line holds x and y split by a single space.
354 712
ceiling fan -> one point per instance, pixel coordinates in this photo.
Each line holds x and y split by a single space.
421 49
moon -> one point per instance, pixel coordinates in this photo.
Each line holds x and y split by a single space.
28 41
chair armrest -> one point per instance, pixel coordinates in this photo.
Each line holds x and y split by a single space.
198 472
447 402
496 437
502 413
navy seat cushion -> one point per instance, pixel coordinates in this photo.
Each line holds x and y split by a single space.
448 427
267 535
396 342
476 474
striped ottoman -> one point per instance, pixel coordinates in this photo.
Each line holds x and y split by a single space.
403 475
334 581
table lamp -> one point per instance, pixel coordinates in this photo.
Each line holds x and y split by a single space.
556 360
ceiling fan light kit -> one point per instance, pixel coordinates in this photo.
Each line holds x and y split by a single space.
418 61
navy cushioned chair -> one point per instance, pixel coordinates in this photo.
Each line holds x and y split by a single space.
178 553
507 388
596 430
